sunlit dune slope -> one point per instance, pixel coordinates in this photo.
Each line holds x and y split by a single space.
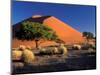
64 31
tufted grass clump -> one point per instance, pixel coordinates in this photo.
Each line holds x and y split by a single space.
16 54
29 48
55 50
23 53
49 51
63 50
28 56
77 47
22 47
45 51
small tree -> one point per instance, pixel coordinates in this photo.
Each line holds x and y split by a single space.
35 31
88 35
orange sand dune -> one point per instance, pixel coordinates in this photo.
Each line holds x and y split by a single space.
17 43
63 30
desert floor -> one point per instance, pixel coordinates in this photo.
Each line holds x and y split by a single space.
75 60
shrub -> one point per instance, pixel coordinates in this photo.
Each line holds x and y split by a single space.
94 47
88 46
90 50
22 47
49 51
76 46
55 50
28 56
44 51
28 47
63 50
16 55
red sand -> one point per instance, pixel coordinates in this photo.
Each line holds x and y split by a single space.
64 31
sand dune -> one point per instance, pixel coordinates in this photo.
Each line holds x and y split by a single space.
63 30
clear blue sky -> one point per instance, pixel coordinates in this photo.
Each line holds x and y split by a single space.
79 17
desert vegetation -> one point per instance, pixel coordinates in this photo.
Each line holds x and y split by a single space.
26 59
33 31
23 54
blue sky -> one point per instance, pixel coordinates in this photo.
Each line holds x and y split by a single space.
79 17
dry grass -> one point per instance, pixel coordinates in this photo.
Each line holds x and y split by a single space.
28 56
28 47
77 46
22 47
63 49
16 54
55 50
